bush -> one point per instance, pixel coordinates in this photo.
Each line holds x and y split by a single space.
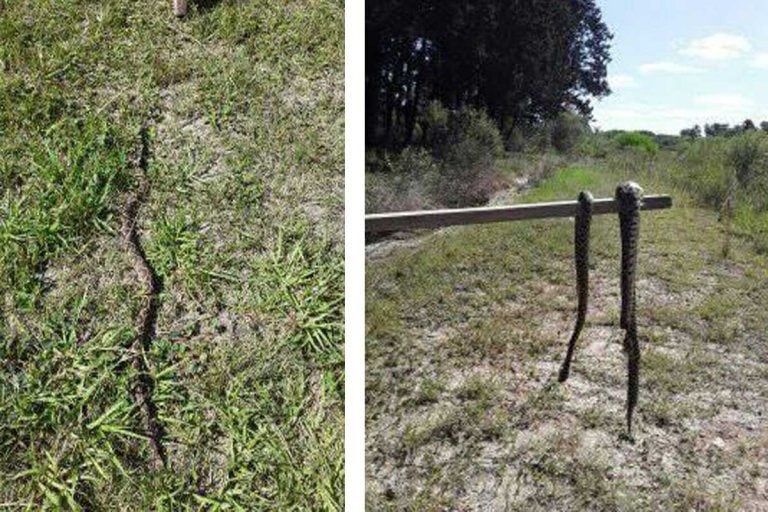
403 181
467 156
596 146
637 140
433 123
455 167
515 140
567 131
747 157
470 128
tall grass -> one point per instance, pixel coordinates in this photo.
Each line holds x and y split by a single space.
729 175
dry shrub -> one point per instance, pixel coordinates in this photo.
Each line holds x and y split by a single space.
454 167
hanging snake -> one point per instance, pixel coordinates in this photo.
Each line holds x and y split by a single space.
581 257
629 198
145 323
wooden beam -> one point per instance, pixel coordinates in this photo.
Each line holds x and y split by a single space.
440 218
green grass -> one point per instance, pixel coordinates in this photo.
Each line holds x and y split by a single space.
500 299
243 223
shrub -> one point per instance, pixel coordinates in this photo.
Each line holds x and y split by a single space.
404 181
747 158
596 146
515 140
470 128
467 156
455 166
566 131
637 140
433 123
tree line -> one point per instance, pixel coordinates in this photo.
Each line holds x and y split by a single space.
521 61
722 129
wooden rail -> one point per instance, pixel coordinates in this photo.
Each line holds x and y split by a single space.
440 218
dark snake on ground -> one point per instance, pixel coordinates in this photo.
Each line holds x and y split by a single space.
146 320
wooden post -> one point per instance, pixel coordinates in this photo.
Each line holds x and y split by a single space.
180 8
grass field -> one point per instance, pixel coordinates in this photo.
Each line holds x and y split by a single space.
467 328
243 224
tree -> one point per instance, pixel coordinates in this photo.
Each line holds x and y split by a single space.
748 126
524 61
567 130
716 129
764 126
691 133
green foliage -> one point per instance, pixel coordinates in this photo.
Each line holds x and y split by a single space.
58 202
691 133
747 157
454 168
465 136
480 54
466 155
597 145
515 140
567 131
701 170
637 140
434 121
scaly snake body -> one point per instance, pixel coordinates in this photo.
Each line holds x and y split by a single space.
629 197
581 257
145 323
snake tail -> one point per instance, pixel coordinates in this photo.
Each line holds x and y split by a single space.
581 259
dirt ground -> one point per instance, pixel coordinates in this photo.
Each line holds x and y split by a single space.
466 413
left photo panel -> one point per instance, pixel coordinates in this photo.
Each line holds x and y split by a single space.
172 255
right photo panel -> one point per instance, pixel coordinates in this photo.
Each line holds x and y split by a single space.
566 243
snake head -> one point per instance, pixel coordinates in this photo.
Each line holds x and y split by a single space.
629 192
586 200
585 196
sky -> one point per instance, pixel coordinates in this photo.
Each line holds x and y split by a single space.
676 63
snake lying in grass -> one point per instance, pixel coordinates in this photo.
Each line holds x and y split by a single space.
581 257
147 317
629 198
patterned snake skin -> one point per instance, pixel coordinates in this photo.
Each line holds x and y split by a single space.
629 197
581 257
142 388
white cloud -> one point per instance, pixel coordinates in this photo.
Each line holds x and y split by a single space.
760 61
718 46
729 102
669 67
664 118
621 82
